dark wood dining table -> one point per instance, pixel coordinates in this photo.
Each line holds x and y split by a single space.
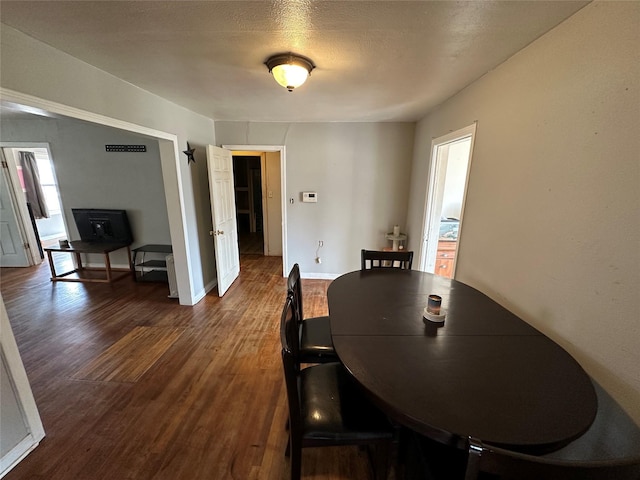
484 372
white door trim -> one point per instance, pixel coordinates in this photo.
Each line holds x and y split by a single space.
263 202
283 184
23 214
18 202
466 132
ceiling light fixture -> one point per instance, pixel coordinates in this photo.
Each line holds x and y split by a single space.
289 70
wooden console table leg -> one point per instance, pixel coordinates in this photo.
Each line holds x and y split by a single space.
52 266
78 261
107 265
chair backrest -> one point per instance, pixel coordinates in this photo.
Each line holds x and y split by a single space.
401 259
289 336
291 371
291 364
294 288
506 464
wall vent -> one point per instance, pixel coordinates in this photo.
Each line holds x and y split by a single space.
125 148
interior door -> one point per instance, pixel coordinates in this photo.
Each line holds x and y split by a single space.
223 213
13 252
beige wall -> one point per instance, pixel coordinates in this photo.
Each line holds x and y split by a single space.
552 221
360 172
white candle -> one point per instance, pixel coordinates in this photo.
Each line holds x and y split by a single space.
396 230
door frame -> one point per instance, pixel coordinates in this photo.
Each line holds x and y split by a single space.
430 200
257 150
263 185
12 361
170 158
24 219
20 205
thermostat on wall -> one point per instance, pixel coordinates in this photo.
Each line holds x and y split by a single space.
309 197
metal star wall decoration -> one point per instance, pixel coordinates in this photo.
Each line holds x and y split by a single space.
189 153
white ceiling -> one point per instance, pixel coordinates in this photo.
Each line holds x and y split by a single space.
375 60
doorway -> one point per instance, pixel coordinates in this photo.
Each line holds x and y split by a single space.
269 208
444 208
247 179
49 225
169 160
31 178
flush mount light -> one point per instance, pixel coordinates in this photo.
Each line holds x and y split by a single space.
289 70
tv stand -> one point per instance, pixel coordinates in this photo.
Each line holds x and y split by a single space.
149 263
77 248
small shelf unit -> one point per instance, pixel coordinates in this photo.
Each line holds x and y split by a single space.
149 263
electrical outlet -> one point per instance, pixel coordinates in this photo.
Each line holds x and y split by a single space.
320 244
318 260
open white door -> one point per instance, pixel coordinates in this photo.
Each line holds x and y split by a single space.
14 251
223 213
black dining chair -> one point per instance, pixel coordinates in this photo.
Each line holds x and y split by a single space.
315 333
371 259
326 408
608 450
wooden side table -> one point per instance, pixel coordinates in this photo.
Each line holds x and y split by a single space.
77 248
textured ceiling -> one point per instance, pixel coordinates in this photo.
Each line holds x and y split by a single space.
375 60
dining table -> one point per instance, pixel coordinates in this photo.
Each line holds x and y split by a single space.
483 372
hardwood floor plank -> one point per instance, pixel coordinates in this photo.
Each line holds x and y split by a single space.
202 394
131 356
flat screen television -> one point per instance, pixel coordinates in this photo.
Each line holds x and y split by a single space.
102 225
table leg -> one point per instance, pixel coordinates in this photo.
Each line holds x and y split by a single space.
78 261
107 265
133 265
129 257
51 265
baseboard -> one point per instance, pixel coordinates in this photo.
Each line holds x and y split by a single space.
202 293
210 286
320 276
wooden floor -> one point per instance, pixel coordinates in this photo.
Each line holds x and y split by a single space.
251 243
131 385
